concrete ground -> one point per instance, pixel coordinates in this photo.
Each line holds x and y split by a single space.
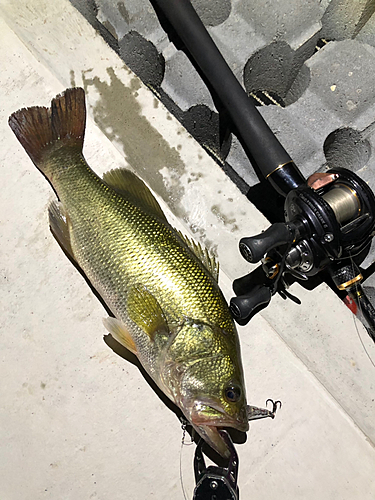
78 419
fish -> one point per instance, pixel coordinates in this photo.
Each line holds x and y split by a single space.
161 286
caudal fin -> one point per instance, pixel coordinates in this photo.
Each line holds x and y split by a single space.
40 130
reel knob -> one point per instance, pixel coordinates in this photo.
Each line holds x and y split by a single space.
243 306
254 248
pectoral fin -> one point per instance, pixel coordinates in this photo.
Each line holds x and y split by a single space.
120 332
145 311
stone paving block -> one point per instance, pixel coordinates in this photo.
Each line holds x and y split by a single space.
367 172
143 58
343 77
302 146
345 19
277 70
292 21
180 77
238 160
270 47
315 118
237 40
212 12
137 15
367 33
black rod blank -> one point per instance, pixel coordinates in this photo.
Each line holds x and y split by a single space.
264 148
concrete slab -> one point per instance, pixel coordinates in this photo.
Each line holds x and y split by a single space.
180 76
275 20
341 76
78 420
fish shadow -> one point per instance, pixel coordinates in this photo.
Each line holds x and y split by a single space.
118 348
124 353
237 436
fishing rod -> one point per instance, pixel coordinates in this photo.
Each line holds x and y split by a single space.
329 218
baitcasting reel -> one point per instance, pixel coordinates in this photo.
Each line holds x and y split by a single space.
329 220
329 224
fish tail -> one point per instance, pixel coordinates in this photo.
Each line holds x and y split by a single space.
42 130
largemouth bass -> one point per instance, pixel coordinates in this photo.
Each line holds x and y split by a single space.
161 287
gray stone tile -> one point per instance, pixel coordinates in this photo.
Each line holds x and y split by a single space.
342 75
290 21
180 78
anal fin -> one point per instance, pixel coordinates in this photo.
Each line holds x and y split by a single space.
120 332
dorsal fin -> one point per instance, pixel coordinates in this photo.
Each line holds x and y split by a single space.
126 183
209 261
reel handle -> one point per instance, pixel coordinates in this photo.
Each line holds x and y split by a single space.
254 248
244 305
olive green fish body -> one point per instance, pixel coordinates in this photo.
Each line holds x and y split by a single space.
120 245
161 287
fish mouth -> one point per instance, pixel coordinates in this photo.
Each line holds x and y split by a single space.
207 417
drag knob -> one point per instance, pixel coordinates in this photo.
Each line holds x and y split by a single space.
254 248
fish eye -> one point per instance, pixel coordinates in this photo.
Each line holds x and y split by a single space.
232 393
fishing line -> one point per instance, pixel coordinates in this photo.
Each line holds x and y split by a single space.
355 319
183 443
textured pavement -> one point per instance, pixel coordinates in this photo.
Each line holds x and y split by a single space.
313 58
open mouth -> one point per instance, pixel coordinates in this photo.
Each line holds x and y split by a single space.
208 418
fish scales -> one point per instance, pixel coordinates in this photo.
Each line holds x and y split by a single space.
116 242
161 288
179 283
